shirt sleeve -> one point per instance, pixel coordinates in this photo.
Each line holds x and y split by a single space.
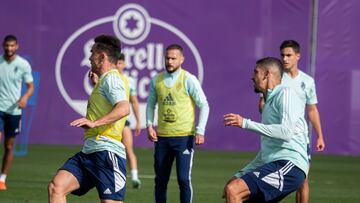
133 90
283 130
195 91
113 88
151 102
27 76
311 97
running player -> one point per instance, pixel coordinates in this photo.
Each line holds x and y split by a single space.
102 160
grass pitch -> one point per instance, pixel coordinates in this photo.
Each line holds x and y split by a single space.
332 178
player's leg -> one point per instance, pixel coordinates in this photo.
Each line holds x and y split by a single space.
184 149
8 154
164 158
236 190
71 177
63 183
302 195
11 126
2 176
131 157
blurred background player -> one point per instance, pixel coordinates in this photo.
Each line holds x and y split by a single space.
13 71
127 134
176 92
304 86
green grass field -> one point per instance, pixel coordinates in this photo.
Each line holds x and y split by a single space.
332 178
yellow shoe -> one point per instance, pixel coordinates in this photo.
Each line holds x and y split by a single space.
2 186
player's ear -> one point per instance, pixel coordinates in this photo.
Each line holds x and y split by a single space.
266 75
182 59
102 57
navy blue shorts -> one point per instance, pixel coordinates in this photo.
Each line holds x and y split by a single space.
127 123
104 170
273 181
10 124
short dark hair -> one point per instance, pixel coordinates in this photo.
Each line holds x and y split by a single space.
175 46
121 57
9 38
268 62
110 45
292 44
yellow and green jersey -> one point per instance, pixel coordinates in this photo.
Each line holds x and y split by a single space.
176 114
177 94
111 89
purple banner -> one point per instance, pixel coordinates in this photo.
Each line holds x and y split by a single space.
222 41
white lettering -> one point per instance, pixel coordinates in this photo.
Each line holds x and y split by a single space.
159 56
139 57
150 56
128 52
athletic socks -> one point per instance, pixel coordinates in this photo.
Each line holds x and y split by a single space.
3 177
134 174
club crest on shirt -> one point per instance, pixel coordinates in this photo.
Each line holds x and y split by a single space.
303 86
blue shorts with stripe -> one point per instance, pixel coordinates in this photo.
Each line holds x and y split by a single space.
10 124
273 181
104 170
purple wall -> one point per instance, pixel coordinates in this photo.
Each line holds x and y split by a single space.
338 74
221 41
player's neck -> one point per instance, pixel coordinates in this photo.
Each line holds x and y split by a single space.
9 59
293 72
106 68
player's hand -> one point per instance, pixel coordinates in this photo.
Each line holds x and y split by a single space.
83 123
232 119
152 136
93 78
199 139
320 144
137 129
22 102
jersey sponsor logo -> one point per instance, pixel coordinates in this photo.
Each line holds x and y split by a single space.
143 38
257 174
170 116
169 100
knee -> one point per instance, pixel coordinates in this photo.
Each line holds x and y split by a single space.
184 181
9 147
55 189
230 190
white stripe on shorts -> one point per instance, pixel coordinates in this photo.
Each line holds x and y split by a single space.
120 178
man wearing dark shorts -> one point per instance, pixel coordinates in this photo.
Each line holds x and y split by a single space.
282 164
14 70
